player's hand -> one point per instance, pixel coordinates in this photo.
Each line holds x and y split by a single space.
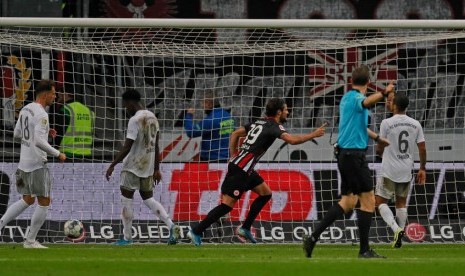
383 142
62 157
190 110
390 87
320 131
52 133
421 177
109 172
156 176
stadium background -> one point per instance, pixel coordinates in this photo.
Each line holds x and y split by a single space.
445 113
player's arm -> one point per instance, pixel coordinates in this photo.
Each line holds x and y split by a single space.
421 176
120 156
379 96
156 169
41 135
234 140
381 141
302 138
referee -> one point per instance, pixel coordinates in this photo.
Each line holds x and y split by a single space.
357 182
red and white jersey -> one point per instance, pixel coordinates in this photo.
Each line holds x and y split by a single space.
260 136
143 128
403 134
32 128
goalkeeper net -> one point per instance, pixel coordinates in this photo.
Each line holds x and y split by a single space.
173 63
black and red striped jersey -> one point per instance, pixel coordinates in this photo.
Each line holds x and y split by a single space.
260 136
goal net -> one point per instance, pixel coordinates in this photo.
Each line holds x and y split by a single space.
244 63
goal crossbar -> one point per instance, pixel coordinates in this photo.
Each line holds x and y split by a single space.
230 23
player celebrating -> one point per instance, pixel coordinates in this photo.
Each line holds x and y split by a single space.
141 166
32 177
241 176
402 132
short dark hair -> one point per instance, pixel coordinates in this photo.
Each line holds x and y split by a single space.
131 95
273 106
401 101
361 75
43 86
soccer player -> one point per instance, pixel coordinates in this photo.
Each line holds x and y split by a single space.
141 166
241 176
32 177
357 181
402 132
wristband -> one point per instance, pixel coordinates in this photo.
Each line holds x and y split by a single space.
376 138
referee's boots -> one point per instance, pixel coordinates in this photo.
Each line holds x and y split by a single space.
369 254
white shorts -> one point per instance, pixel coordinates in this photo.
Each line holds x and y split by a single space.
132 182
35 183
386 188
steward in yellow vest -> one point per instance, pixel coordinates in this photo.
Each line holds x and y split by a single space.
74 123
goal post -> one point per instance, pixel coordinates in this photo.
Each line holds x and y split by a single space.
173 63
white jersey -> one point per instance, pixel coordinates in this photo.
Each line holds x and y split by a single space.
143 128
32 128
403 134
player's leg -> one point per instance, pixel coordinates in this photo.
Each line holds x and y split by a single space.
257 184
401 212
158 210
227 204
402 190
129 182
384 191
231 190
22 186
40 186
127 215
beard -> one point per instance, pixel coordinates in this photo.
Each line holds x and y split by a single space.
282 120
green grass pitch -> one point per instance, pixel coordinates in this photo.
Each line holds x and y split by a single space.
227 259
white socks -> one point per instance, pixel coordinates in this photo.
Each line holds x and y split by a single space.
388 216
38 218
158 210
12 212
401 215
127 215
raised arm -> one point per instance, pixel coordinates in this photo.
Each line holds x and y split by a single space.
302 138
377 97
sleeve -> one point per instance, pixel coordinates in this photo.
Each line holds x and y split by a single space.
383 129
279 130
358 99
17 132
247 127
132 130
420 135
41 134
192 130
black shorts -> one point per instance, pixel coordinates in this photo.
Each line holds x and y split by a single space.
237 181
355 175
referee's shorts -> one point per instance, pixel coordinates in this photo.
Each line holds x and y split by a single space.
353 167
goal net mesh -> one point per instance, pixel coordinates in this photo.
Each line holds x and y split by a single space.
173 68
